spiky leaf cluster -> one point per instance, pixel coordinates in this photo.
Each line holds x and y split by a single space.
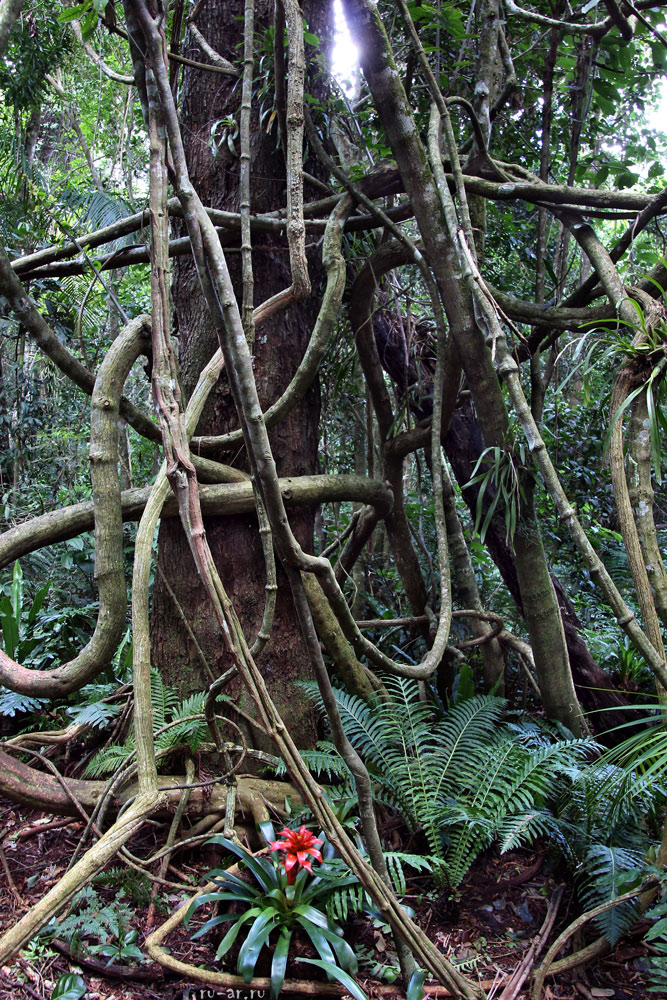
462 779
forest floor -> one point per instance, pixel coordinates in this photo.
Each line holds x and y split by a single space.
500 909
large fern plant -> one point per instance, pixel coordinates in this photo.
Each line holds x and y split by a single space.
175 723
610 816
463 779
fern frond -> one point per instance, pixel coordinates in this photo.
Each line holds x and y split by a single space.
110 759
463 733
191 731
323 760
398 860
531 778
163 699
363 726
524 828
600 873
98 714
345 901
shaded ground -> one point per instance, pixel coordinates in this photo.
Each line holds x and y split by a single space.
501 907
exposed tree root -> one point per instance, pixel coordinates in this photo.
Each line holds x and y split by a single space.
30 787
128 823
142 973
546 967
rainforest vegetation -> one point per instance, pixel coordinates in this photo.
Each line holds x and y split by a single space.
332 361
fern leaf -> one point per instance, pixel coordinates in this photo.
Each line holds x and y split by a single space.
110 759
398 860
344 902
98 715
599 876
12 703
163 699
523 829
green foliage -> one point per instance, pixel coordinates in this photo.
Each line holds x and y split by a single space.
93 711
463 779
620 343
607 815
657 936
606 872
38 45
324 760
18 616
99 928
612 814
69 987
174 724
377 968
37 636
499 475
135 885
87 12
652 386
268 904
334 971
122 947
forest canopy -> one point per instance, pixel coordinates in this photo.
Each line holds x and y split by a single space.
352 387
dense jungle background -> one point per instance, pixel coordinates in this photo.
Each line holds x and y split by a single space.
332 368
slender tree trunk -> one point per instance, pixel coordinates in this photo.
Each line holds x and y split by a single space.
596 691
439 232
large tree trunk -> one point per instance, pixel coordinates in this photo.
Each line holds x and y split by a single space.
209 98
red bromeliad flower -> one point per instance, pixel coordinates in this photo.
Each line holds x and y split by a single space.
298 844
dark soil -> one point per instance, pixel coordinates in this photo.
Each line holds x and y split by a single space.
488 927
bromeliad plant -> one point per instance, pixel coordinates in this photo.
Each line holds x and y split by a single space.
298 844
278 899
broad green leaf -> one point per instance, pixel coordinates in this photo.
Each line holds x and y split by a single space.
73 13
311 913
334 972
257 937
267 831
221 918
10 631
263 869
69 987
17 594
415 990
319 939
231 935
37 603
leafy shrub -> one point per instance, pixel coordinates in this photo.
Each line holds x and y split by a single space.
98 928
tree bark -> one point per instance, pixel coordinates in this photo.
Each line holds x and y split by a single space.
209 100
